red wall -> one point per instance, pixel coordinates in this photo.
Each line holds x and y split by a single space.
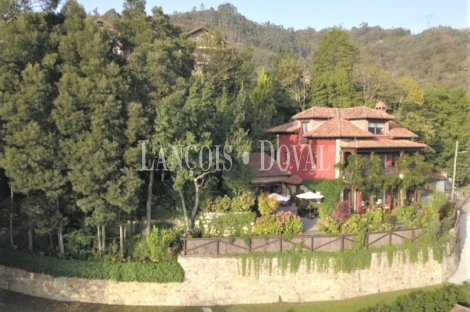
325 157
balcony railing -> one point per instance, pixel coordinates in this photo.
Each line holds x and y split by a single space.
365 172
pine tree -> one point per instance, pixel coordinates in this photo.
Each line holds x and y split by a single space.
332 71
30 156
159 65
91 116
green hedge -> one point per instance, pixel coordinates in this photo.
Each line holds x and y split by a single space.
331 189
164 272
439 300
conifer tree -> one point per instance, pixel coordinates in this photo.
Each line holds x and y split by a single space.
31 155
332 71
91 116
159 64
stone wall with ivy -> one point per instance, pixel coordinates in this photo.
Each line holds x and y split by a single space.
231 280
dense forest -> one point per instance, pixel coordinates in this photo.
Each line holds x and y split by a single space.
74 112
439 54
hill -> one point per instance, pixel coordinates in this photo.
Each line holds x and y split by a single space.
438 54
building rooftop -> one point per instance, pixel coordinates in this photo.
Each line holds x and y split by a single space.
336 128
291 127
274 171
383 143
349 113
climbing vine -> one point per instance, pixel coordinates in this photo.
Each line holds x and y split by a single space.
341 261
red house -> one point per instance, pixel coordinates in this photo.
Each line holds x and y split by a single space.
321 137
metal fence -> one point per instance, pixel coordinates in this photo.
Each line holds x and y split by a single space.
222 245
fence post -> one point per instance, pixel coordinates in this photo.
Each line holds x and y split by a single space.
413 235
390 237
311 243
342 242
280 243
367 240
184 247
218 240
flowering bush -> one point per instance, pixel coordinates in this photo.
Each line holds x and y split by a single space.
371 221
267 204
240 203
283 222
329 226
243 202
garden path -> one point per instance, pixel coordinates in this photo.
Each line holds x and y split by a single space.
463 271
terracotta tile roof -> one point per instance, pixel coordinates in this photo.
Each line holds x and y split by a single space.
364 113
361 112
397 131
291 127
197 29
337 128
437 177
375 143
316 112
296 180
275 171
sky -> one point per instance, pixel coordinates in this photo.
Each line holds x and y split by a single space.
415 15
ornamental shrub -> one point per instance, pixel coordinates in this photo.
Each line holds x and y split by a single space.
158 246
243 202
234 223
283 222
267 204
222 204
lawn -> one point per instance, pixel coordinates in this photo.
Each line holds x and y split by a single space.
12 302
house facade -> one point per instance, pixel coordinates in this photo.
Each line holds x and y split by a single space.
321 137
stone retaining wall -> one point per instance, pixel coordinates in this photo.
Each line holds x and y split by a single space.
218 281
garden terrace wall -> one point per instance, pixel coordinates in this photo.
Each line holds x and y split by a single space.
218 281
222 245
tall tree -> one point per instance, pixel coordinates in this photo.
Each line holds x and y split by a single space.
332 71
159 66
91 116
10 9
263 107
192 149
31 157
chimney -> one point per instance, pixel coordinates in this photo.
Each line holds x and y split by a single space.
380 106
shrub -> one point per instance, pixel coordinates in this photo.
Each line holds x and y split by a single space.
267 204
235 223
371 221
342 211
267 225
284 222
162 272
329 226
243 202
442 299
158 246
222 204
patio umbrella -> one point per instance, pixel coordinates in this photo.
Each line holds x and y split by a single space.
310 195
279 198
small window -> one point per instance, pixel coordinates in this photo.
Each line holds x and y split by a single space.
304 130
376 127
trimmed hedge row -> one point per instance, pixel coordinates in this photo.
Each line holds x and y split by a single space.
164 272
439 300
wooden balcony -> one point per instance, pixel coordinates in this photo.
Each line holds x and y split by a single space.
365 172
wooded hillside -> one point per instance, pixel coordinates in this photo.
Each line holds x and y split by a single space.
439 54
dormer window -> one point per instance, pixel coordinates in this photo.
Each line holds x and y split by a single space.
305 129
377 127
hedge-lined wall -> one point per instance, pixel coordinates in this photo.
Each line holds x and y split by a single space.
163 272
